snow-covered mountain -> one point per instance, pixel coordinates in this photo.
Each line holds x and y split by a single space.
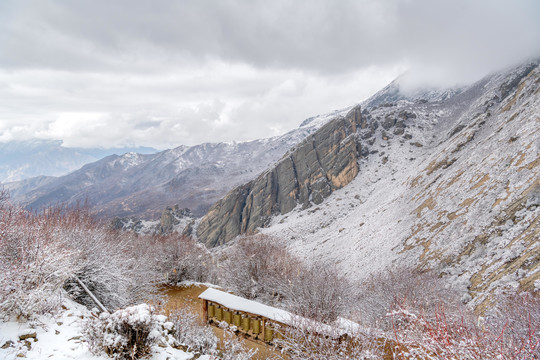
143 185
447 180
444 179
25 159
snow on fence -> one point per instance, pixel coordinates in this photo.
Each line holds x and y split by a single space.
260 321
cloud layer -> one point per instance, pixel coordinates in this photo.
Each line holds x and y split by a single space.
164 73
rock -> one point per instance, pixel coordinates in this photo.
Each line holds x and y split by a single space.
404 114
388 122
7 344
456 130
27 335
398 131
127 223
171 216
188 230
322 163
367 134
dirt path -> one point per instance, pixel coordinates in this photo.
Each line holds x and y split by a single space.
187 297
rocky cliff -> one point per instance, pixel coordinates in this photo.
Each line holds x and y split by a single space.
323 162
458 191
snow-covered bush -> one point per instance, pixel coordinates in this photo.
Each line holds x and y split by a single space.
232 348
108 262
442 335
515 320
403 289
34 265
318 292
178 258
258 268
42 252
311 340
191 332
129 333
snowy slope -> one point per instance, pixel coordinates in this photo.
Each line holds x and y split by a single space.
59 337
458 191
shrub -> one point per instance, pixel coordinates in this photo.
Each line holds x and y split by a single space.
33 264
441 336
125 334
233 348
403 289
42 252
178 258
515 321
258 268
192 333
311 340
111 264
318 292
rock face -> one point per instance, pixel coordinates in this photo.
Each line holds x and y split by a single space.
323 162
172 216
458 192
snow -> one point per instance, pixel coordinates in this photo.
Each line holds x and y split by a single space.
59 336
318 121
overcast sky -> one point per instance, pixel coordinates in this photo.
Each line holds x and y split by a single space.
164 73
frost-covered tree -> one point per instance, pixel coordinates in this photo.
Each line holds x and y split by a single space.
259 268
402 289
42 252
33 264
319 292
190 332
177 258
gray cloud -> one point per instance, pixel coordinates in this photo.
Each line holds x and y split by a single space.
169 72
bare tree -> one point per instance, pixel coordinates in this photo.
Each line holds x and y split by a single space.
258 267
178 258
41 253
312 340
319 291
402 289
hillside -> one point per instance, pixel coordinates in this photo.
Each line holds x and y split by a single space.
446 182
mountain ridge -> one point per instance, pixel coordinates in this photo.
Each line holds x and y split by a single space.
449 184
20 160
143 185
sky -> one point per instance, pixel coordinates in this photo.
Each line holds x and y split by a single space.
161 73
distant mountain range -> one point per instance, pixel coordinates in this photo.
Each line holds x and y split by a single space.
25 159
143 185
